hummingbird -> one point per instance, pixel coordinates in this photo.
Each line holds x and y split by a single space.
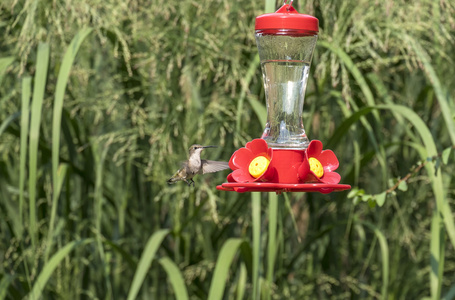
195 165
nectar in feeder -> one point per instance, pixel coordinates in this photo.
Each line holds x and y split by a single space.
286 41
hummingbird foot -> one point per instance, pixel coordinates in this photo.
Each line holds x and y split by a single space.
190 182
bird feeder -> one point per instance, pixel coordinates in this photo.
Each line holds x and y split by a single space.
284 159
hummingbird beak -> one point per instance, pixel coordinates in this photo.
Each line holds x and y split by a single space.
209 147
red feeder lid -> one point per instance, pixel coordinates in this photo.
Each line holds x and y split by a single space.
287 17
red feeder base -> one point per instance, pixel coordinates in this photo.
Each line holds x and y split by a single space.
282 187
289 170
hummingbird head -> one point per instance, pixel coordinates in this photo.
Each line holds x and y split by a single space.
199 148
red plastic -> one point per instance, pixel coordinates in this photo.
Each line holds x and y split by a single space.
329 163
288 171
242 158
282 187
286 164
287 17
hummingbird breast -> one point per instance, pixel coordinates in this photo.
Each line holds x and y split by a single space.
194 165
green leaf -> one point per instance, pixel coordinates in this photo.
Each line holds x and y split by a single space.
4 284
436 179
5 62
437 165
343 128
353 192
270 6
446 155
25 119
223 263
450 294
61 173
287 202
437 255
175 277
245 86
384 255
380 198
143 266
403 186
371 203
356 192
256 219
8 121
356 200
62 81
353 69
241 285
430 72
442 204
366 197
125 255
49 268
259 109
35 125
272 240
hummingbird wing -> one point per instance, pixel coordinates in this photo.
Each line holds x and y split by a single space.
211 166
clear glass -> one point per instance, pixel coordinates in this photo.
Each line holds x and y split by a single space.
285 60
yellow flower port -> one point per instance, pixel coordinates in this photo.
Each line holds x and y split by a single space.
316 167
258 166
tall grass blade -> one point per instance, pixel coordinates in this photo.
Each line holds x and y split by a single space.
256 224
48 269
198 80
8 121
259 109
270 6
437 185
4 284
35 124
62 81
436 178
241 285
11 210
175 277
25 119
222 265
385 258
344 127
350 65
437 86
132 263
245 86
287 202
436 257
450 294
148 254
99 200
193 94
369 98
61 173
427 138
5 62
272 241
442 204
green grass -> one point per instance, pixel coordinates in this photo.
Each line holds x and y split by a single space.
100 100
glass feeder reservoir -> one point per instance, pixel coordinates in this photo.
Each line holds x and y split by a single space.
286 41
284 160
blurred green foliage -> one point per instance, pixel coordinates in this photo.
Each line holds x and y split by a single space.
100 100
